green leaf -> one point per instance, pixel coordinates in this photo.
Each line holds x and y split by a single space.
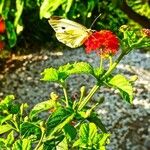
52 144
5 8
22 108
89 137
14 108
98 72
17 145
103 139
63 145
123 85
41 107
63 72
58 120
58 128
49 6
98 122
24 144
87 132
5 118
6 102
11 34
19 9
81 67
50 74
2 144
17 21
1 5
77 143
5 128
68 5
70 132
28 129
10 139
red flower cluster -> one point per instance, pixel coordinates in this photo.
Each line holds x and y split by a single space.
103 42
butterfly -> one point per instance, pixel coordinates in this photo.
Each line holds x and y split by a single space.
69 32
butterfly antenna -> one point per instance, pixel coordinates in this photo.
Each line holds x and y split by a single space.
95 20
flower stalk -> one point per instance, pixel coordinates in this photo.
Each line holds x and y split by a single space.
113 66
96 87
88 97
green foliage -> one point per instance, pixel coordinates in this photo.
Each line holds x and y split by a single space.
123 85
63 72
57 118
9 10
24 144
40 107
30 130
11 34
70 132
56 131
49 6
90 139
85 11
59 75
133 39
141 7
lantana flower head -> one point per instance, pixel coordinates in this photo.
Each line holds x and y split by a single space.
103 42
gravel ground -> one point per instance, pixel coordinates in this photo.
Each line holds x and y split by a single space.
128 124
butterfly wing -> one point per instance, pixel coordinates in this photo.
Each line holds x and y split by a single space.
69 32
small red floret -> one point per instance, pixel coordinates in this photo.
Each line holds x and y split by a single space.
104 42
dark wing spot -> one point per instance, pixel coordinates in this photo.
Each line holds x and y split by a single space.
63 28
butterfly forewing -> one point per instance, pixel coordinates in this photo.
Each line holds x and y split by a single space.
69 32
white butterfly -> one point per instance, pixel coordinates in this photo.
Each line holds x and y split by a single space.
69 32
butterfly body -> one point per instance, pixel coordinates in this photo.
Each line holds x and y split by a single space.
69 32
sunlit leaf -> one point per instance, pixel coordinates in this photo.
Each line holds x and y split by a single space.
49 6
5 128
58 120
41 107
70 132
28 129
124 86
11 34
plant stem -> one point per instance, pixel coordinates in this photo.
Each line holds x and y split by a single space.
113 66
101 63
95 87
110 61
40 141
88 97
66 97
